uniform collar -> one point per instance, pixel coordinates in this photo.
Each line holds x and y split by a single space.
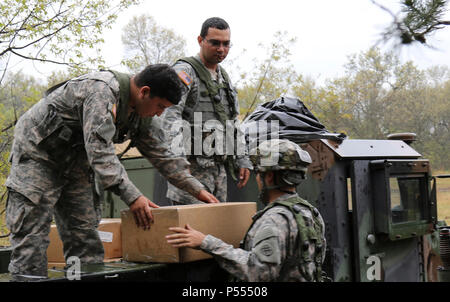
281 198
124 101
218 73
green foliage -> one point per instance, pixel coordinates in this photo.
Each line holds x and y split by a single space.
271 77
4 146
17 94
421 18
56 31
376 97
324 103
418 20
148 43
57 77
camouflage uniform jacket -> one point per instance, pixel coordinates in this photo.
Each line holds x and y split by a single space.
88 114
194 88
267 251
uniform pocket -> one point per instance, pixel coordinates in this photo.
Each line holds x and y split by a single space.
106 130
15 211
53 136
48 129
204 103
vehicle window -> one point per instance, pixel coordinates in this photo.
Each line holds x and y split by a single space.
408 199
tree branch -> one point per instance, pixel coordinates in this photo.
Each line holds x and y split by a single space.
41 60
11 48
258 90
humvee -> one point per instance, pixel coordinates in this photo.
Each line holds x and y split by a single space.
378 200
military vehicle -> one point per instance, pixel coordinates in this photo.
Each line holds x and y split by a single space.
377 197
378 200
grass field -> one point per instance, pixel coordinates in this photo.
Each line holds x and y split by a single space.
443 205
443 197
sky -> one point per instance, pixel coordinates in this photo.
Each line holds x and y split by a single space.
327 31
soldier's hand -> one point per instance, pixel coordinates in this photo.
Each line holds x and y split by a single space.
244 175
207 197
142 212
185 237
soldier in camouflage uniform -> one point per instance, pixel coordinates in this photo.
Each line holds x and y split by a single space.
65 141
208 94
286 241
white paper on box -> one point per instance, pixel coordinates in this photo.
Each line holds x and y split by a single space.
105 236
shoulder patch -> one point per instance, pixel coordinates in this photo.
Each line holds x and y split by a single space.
185 77
268 251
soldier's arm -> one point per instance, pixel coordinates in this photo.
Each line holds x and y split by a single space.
171 119
98 130
156 141
174 168
261 263
242 158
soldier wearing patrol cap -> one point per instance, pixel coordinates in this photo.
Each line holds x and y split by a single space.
65 141
208 94
286 241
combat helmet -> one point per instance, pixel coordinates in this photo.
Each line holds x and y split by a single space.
281 155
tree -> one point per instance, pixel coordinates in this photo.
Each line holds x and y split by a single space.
418 20
324 102
436 143
55 31
378 96
367 91
272 76
18 94
148 43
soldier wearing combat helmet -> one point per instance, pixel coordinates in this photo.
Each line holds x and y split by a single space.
286 240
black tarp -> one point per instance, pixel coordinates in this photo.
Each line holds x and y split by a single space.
295 122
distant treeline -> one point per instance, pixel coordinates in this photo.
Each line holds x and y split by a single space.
376 97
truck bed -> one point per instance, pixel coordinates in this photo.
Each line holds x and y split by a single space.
198 271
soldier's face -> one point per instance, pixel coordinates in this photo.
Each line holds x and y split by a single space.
215 46
148 106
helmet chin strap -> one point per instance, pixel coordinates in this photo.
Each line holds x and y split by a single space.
264 193
287 191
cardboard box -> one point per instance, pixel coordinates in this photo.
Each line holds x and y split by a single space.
109 231
227 221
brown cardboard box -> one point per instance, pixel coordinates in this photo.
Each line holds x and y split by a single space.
227 221
109 231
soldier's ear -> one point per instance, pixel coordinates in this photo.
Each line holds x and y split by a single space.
144 91
269 178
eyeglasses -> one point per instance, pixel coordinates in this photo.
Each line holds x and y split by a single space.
217 43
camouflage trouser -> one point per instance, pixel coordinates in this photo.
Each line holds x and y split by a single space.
76 215
212 175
